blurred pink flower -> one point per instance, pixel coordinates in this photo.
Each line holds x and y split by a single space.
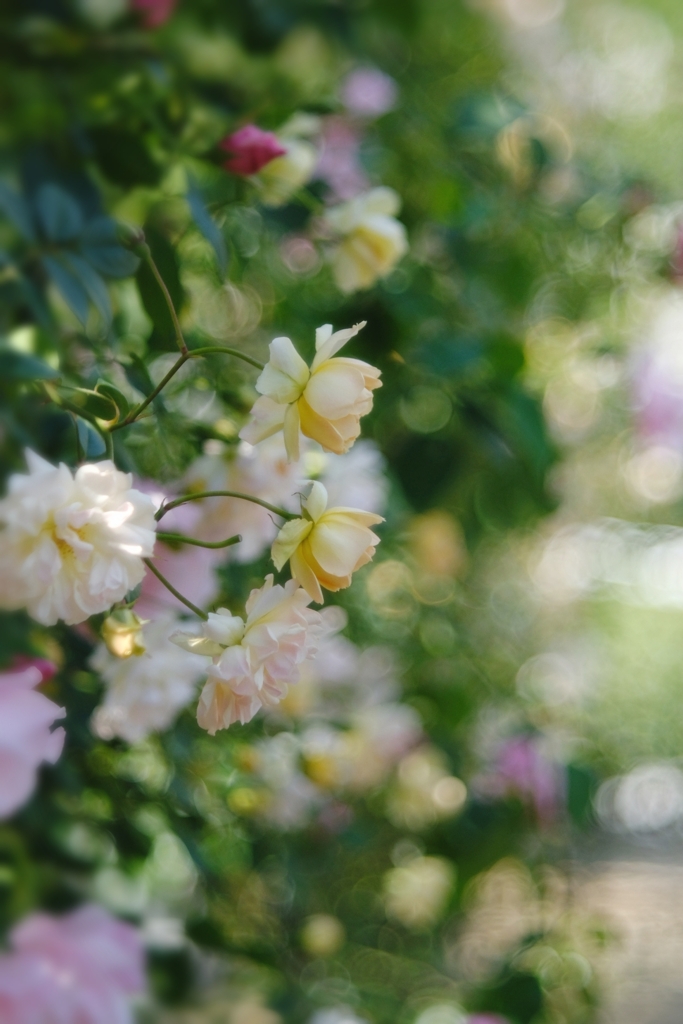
658 399
25 737
252 149
522 769
339 165
153 13
190 569
486 1018
80 968
368 92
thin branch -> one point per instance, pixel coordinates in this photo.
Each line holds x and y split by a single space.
132 416
223 494
176 593
180 538
224 350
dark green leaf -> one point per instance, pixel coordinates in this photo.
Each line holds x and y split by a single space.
207 226
138 375
99 246
17 366
123 157
69 286
151 294
91 402
113 393
93 284
17 211
59 215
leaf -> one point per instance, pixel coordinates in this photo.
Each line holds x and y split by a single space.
93 284
151 294
18 366
113 394
17 211
68 286
91 402
91 442
137 374
100 247
207 226
59 215
123 157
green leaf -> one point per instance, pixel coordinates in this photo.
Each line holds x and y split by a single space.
18 366
100 247
207 226
69 287
138 375
151 294
93 403
17 211
113 394
94 286
123 157
90 440
59 215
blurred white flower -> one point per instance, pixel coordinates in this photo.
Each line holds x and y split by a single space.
325 402
145 693
72 545
254 661
424 791
263 471
327 546
372 239
416 893
357 479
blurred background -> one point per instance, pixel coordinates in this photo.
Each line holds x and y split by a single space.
470 809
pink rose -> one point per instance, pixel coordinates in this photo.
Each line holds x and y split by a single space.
153 13
26 739
252 148
83 966
368 92
524 771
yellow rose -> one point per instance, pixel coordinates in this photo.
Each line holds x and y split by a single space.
327 545
372 240
325 402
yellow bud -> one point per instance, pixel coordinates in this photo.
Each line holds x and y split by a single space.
122 634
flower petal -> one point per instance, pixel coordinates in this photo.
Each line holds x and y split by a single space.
316 502
334 343
285 374
267 417
291 431
288 540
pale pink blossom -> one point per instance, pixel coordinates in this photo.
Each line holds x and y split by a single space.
26 739
523 770
254 661
251 148
80 968
368 92
339 165
486 1018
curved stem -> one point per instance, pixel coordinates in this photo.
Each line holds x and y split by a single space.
223 494
132 416
180 538
224 350
147 257
176 593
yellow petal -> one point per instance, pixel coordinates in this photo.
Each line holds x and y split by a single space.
288 540
304 575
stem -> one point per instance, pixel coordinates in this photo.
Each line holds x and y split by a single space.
223 494
169 586
180 538
224 350
146 254
132 416
308 200
135 414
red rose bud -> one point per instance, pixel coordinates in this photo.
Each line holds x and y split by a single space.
153 13
252 148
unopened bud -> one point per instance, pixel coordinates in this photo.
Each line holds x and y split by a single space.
122 634
131 237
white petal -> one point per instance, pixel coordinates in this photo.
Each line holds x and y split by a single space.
322 335
335 342
267 417
291 431
288 540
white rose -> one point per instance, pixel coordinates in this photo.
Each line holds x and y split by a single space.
72 545
372 240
